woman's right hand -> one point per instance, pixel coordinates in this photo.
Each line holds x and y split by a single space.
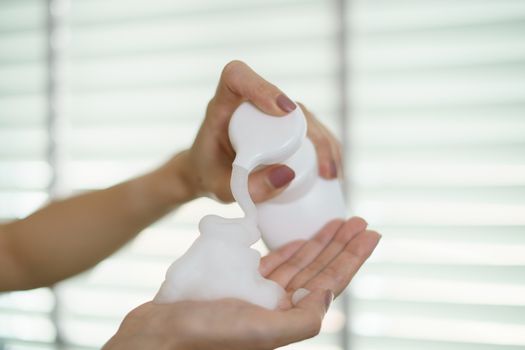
209 160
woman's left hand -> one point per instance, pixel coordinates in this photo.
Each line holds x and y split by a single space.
324 265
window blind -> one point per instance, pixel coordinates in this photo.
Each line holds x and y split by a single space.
25 317
438 98
435 151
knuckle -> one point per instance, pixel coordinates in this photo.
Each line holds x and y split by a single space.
265 89
314 267
294 263
333 274
222 194
311 270
231 68
343 238
137 312
355 257
132 315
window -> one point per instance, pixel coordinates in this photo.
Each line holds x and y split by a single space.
438 97
428 96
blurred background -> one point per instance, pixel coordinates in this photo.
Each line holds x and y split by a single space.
428 97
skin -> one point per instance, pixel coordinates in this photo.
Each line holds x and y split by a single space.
72 235
211 155
324 265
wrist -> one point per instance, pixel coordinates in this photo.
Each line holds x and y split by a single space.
176 180
163 189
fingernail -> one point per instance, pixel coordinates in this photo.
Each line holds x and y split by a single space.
285 103
281 176
299 294
328 298
333 169
324 170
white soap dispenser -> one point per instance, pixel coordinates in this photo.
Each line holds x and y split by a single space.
309 202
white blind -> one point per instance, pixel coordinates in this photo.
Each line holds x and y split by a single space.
25 317
436 151
438 130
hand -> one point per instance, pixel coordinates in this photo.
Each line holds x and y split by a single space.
227 324
329 260
211 155
324 265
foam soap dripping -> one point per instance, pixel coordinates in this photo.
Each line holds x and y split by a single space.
239 187
220 263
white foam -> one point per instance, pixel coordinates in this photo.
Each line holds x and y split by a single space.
220 263
240 191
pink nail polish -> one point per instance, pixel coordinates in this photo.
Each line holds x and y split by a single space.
281 176
325 170
333 169
285 103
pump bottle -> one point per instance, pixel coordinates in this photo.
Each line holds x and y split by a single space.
309 202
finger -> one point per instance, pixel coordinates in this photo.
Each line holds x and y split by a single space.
239 83
338 274
275 258
339 160
302 321
344 235
269 182
336 149
305 255
322 141
330 163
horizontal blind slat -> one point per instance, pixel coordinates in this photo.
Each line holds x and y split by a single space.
438 156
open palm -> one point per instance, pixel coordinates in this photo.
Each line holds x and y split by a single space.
327 261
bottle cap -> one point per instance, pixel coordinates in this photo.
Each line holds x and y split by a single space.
262 139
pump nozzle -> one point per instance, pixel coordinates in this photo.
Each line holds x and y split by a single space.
261 139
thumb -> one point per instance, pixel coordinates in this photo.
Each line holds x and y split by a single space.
317 301
304 320
268 182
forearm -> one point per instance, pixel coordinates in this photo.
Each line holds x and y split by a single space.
71 235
